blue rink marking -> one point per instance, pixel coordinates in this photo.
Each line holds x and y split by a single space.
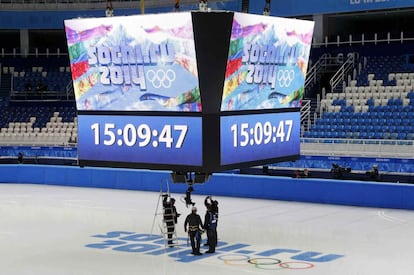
149 244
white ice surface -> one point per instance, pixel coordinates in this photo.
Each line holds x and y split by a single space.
51 230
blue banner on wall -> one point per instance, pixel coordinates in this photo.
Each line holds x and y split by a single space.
309 7
39 151
356 163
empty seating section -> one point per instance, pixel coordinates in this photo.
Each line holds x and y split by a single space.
28 117
40 77
38 125
39 80
377 104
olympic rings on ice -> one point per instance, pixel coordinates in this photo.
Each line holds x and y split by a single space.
266 263
296 265
234 259
161 78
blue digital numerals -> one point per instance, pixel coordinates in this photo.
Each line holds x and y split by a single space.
141 139
254 137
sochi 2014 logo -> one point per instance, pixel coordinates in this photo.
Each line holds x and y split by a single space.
230 254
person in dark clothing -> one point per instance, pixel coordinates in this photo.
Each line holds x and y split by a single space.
210 225
20 157
195 225
109 11
338 171
177 5
203 5
213 205
374 173
170 217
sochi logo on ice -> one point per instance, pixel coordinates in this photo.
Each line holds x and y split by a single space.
230 254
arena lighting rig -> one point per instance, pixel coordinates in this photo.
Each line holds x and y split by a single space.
189 178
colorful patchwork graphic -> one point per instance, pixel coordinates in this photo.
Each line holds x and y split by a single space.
267 63
143 63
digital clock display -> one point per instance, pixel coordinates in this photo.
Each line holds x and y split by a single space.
253 137
171 140
165 92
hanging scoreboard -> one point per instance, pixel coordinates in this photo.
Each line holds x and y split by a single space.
196 91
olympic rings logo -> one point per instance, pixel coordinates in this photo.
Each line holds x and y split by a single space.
264 262
161 78
285 77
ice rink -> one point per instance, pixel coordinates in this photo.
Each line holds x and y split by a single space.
69 230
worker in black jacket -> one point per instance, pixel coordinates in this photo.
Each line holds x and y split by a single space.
213 205
194 223
210 225
170 217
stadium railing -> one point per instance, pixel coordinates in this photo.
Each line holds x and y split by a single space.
382 148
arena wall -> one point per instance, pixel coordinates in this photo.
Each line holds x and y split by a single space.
344 192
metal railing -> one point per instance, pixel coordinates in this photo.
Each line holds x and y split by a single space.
32 52
305 114
325 63
380 148
363 40
339 77
314 71
30 95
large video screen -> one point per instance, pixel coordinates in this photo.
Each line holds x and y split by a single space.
134 63
259 137
267 63
171 140
196 91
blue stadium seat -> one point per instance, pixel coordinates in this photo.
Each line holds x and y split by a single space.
386 135
401 135
407 128
345 115
355 134
392 128
349 109
394 136
377 135
341 134
370 102
410 136
308 134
